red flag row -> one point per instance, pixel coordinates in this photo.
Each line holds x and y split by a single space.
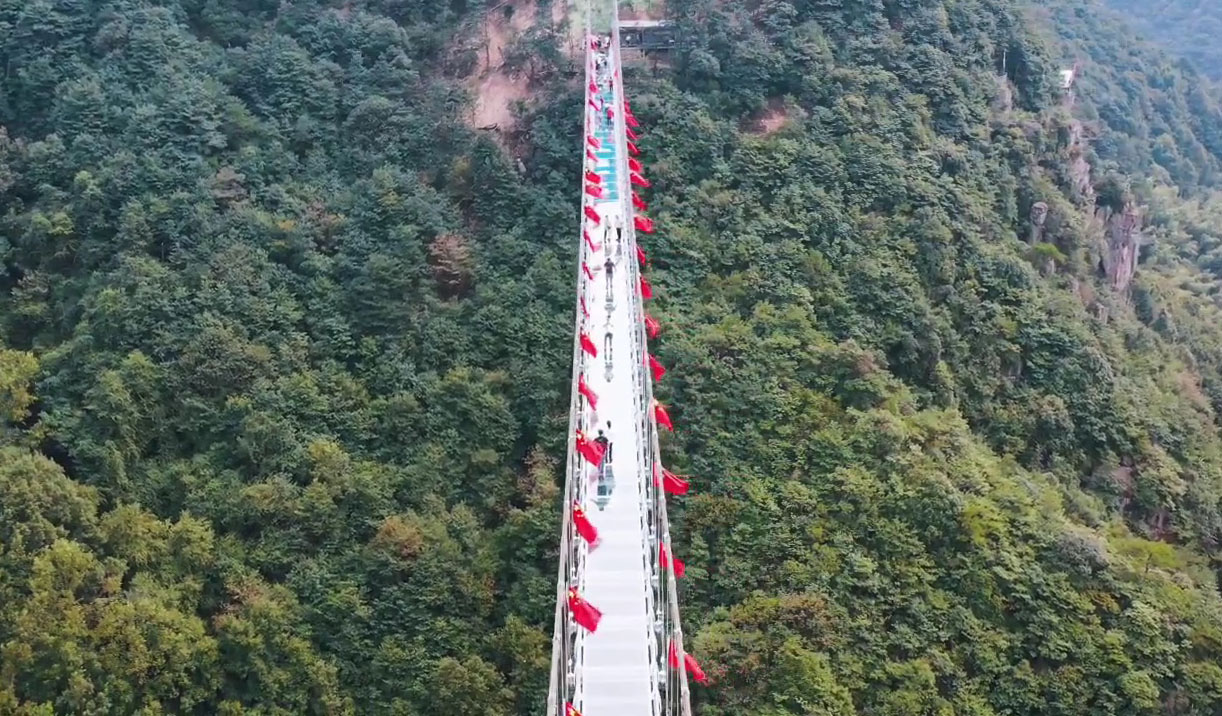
585 614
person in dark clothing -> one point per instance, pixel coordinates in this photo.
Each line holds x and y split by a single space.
606 445
606 477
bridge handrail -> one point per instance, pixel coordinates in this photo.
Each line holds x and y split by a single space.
564 677
676 703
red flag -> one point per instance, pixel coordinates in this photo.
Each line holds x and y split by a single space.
673 656
593 141
587 345
693 668
627 105
633 150
643 223
585 528
585 312
594 178
585 390
631 120
638 179
664 557
586 270
584 613
631 135
570 711
591 157
658 369
673 484
652 327
662 476
593 452
659 412
640 254
646 289
593 87
593 246
594 191
595 105
634 165
592 215
637 202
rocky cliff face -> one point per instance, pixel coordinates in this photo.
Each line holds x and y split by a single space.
1114 233
1121 241
1039 215
1079 169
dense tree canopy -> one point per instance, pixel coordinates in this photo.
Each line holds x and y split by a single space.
284 345
1185 28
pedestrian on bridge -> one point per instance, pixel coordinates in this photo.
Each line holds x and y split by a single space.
605 442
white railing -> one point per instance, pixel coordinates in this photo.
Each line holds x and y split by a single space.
674 696
567 639
647 437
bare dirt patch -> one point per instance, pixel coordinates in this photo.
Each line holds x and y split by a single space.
496 89
769 120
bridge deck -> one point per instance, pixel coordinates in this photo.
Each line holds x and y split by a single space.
616 669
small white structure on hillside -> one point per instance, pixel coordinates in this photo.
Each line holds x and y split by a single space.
1067 78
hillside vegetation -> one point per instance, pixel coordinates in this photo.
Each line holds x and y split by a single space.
1185 28
284 346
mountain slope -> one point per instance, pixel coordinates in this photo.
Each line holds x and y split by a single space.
967 478
1185 28
284 343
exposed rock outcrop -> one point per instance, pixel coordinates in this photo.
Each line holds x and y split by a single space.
1079 168
1039 215
1121 241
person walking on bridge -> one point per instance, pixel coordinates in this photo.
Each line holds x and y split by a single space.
605 442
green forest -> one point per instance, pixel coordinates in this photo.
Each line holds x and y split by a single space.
285 340
1186 28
